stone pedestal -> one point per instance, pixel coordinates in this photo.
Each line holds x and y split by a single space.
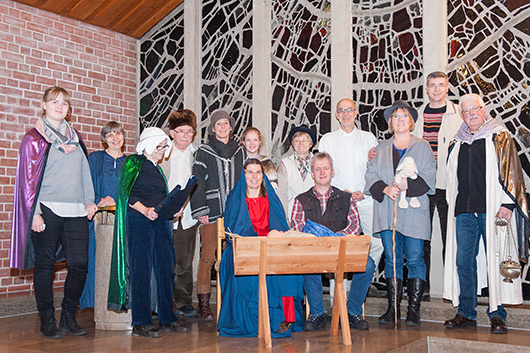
106 319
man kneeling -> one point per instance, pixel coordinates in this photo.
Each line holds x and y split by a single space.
336 210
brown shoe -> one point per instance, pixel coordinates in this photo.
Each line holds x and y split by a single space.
460 322
204 307
498 325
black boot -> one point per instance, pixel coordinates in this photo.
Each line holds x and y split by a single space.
68 322
204 307
415 293
388 317
48 325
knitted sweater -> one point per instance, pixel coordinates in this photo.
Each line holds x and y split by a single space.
217 167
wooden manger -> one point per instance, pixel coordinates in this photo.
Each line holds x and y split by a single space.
294 255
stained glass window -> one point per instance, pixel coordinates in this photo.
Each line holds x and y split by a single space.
387 58
301 59
227 61
162 71
488 45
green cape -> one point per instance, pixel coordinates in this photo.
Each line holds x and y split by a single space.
118 298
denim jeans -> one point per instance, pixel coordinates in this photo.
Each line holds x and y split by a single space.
470 227
407 248
358 290
72 233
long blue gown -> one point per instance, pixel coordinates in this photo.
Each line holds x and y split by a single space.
239 309
105 172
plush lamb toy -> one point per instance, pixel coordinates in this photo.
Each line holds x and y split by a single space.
406 169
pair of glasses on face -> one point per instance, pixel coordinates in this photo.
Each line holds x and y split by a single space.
113 134
399 116
184 132
473 110
346 110
161 148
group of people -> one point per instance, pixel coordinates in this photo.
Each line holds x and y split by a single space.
456 159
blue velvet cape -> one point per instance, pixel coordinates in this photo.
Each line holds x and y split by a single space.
239 309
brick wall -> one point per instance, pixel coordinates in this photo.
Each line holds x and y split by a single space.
39 49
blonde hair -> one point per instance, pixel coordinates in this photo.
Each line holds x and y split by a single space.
245 133
52 93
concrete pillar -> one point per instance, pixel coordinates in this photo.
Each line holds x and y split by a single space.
341 55
435 59
434 36
261 71
192 58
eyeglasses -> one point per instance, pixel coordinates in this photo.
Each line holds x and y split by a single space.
301 142
344 110
113 134
473 109
161 148
402 116
185 132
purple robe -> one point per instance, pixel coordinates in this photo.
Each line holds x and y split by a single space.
32 157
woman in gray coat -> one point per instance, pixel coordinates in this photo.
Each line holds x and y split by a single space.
413 223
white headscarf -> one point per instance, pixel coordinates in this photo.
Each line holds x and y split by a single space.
150 138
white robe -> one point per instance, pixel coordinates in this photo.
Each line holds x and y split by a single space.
487 266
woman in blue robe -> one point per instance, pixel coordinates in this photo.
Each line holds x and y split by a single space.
239 309
105 169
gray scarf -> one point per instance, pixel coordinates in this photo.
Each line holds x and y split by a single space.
66 142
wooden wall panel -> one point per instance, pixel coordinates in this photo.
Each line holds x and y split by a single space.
131 17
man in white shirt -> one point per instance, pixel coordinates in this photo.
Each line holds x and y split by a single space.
349 147
177 169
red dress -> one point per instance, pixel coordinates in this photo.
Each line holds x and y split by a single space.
258 210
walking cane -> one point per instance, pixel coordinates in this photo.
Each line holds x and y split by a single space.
394 264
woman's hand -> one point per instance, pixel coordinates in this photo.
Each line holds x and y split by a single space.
403 185
91 210
148 212
204 219
107 201
276 234
391 191
37 225
179 213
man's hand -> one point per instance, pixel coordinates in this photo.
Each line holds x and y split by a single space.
357 196
204 219
372 154
179 213
504 213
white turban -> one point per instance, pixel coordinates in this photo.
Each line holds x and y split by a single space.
150 138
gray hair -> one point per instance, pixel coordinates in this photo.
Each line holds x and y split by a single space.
111 126
321 155
471 96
